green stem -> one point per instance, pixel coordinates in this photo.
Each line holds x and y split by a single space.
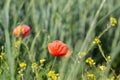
28 51
99 36
105 30
102 52
53 63
22 77
92 27
34 41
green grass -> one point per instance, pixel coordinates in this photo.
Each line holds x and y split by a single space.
75 22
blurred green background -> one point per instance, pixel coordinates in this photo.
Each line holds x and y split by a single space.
66 20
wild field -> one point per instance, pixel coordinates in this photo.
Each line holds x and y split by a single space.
59 39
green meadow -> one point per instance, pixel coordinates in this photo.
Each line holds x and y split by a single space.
89 28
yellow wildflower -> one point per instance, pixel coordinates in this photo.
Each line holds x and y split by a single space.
3 54
96 41
22 65
34 65
113 78
108 58
1 57
118 77
21 72
2 47
52 75
102 68
42 61
113 21
91 77
90 61
17 43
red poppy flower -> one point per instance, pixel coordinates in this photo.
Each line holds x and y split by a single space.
58 48
21 31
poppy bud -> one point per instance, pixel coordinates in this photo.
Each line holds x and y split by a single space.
21 31
58 48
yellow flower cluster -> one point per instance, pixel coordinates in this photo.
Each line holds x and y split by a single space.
22 65
17 43
52 75
2 55
22 68
103 68
118 77
91 77
96 41
108 58
34 65
42 61
90 61
113 21
112 78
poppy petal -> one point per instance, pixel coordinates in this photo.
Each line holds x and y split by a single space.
58 48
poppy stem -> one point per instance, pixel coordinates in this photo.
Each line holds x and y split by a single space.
53 63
